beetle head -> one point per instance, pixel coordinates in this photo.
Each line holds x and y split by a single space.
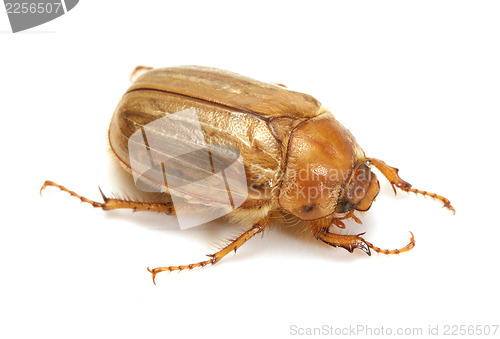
326 171
361 190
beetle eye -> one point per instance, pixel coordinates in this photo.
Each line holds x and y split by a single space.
344 206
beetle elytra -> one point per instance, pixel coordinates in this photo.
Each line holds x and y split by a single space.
298 160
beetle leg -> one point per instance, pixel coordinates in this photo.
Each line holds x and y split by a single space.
140 70
392 175
112 204
397 251
338 223
232 245
351 242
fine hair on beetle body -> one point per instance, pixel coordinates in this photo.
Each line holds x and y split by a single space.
215 143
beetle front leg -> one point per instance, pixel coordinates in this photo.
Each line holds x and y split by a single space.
233 245
392 175
112 204
351 242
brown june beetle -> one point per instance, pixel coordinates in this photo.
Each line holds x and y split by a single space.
296 158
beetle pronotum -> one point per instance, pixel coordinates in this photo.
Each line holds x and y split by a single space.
290 144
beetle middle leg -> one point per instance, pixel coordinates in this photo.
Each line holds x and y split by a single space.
392 175
112 204
351 242
233 245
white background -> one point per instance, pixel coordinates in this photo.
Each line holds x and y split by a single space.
417 83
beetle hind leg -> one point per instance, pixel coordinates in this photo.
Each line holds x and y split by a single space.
139 70
232 245
392 175
112 204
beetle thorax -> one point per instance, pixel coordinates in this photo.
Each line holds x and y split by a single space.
321 157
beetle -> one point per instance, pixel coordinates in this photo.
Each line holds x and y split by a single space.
298 160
